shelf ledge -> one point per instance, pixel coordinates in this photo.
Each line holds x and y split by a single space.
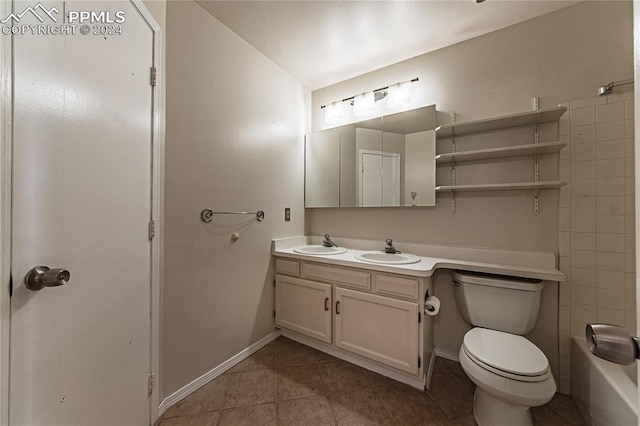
501 186
503 122
503 152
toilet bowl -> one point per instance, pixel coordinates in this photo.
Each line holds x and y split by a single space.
511 374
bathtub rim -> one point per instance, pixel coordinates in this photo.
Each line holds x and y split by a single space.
614 374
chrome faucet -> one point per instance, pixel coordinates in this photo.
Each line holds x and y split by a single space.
326 242
389 248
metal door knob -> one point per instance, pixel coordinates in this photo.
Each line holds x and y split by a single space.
43 276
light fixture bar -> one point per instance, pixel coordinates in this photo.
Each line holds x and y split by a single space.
351 98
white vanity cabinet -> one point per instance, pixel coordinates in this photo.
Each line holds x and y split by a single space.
304 306
378 327
367 317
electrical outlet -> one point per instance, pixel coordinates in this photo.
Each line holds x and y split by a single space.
287 214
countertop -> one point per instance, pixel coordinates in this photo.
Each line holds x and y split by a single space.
527 265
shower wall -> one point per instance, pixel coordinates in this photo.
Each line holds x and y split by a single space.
596 219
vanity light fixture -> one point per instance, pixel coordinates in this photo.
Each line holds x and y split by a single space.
335 112
398 94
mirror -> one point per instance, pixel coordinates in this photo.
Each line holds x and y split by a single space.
322 169
381 162
355 140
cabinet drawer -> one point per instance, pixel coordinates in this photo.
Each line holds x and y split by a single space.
397 286
287 267
347 277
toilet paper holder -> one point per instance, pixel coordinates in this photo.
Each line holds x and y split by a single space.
429 307
612 343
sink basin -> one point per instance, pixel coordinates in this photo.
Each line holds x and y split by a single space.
319 250
387 258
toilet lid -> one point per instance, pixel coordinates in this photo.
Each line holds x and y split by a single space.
506 352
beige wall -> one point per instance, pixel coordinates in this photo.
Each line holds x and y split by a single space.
560 56
158 8
234 141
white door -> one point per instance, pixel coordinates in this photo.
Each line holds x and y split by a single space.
80 353
378 328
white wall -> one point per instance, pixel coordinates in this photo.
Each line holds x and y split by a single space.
561 56
234 141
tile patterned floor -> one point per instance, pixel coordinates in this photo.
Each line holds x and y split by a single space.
286 383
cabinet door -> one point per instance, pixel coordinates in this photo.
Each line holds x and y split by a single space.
304 306
378 327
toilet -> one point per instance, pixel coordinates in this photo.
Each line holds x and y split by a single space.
511 373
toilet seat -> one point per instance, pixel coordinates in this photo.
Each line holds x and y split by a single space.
507 355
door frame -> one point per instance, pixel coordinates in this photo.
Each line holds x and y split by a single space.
6 136
157 203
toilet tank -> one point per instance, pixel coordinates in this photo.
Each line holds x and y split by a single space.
498 302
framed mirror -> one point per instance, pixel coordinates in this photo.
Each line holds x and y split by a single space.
381 162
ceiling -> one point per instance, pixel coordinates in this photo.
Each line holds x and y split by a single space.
324 42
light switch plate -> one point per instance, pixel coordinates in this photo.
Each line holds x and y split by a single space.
287 214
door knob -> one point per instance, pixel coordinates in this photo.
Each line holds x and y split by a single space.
43 276
613 343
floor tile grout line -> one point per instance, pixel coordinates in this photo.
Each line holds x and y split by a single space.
386 409
326 393
393 418
275 368
226 391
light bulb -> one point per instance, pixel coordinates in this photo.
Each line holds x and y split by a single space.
363 104
399 94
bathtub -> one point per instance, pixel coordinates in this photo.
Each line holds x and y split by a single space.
604 392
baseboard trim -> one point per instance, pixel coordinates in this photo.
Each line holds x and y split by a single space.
448 355
354 359
217 371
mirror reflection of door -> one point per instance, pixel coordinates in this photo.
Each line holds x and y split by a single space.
379 180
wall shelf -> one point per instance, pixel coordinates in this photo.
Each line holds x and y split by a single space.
501 186
503 152
499 123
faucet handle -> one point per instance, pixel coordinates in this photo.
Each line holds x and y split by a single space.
327 241
389 242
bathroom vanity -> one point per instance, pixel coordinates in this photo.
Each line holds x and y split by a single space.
370 314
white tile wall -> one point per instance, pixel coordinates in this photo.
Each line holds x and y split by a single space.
597 220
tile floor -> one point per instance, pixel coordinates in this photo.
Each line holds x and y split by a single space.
286 383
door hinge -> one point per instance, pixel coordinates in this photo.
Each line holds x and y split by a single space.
152 229
154 76
419 362
10 285
274 283
274 314
419 317
152 382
